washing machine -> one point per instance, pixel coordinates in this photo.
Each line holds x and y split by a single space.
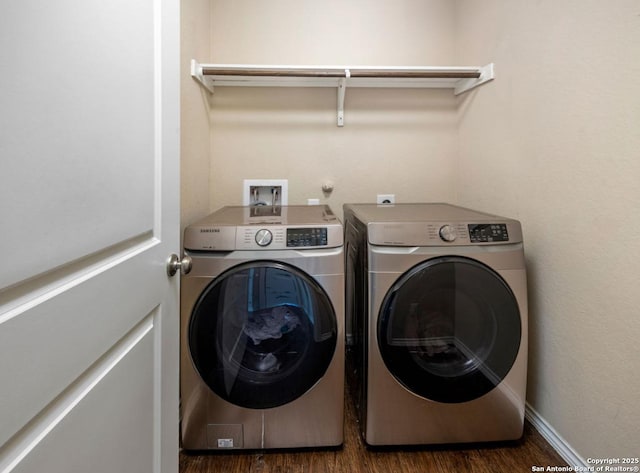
262 329
437 311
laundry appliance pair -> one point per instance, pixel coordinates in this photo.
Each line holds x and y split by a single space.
436 326
436 308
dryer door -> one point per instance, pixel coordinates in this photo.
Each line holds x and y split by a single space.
449 329
262 334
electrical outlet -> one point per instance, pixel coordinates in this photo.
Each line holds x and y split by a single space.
386 199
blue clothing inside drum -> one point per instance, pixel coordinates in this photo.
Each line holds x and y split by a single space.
272 323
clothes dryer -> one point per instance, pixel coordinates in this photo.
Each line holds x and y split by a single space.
437 302
262 350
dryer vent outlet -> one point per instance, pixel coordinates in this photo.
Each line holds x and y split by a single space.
269 192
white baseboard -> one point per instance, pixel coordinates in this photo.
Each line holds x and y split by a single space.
559 444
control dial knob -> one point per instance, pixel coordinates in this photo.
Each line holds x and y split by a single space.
264 237
447 233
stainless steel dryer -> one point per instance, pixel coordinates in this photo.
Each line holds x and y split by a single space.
262 350
437 309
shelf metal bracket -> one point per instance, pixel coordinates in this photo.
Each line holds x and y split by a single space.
197 74
342 88
464 85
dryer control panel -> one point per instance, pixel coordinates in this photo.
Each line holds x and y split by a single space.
488 232
443 233
469 232
433 224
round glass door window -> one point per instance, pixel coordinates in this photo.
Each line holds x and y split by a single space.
262 334
449 329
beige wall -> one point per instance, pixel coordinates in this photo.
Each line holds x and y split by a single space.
554 141
195 129
393 141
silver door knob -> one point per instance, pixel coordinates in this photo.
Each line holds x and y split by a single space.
174 263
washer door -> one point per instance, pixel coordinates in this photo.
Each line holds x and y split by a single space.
262 334
449 329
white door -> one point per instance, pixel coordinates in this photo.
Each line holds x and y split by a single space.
89 213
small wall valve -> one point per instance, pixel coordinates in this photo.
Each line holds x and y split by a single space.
327 187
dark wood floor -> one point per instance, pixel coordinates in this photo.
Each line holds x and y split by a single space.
354 457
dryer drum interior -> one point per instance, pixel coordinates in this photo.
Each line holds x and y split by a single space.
262 334
449 329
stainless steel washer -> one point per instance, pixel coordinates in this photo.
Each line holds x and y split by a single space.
437 323
262 350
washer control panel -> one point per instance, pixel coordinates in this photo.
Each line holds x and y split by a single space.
277 237
295 228
297 237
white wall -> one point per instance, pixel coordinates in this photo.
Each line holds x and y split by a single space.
393 141
554 141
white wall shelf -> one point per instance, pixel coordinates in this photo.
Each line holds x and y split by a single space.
460 79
